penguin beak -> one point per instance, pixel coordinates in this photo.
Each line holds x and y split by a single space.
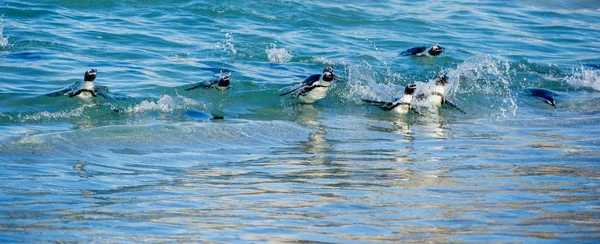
437 50
551 102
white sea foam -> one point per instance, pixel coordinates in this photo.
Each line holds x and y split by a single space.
587 78
45 115
486 77
166 104
226 45
362 83
3 39
278 55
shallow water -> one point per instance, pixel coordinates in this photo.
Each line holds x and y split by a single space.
148 163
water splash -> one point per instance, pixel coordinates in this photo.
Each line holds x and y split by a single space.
380 56
362 83
584 78
278 55
484 78
166 104
3 39
226 45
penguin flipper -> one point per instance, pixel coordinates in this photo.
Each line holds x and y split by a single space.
287 90
385 106
374 102
59 93
454 106
104 96
311 79
203 84
192 88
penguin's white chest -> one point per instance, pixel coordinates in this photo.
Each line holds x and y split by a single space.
436 98
401 109
87 85
425 54
314 94
404 107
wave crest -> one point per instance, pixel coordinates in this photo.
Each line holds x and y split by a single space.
586 78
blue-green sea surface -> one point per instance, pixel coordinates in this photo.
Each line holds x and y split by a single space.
149 161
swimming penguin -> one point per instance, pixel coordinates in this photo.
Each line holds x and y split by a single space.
424 51
312 88
398 105
545 94
436 98
80 89
221 83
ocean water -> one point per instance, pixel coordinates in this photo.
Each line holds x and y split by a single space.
148 163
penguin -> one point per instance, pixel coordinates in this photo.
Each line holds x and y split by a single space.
85 89
436 98
424 51
313 88
220 83
545 94
397 105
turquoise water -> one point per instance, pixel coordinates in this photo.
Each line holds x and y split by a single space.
149 164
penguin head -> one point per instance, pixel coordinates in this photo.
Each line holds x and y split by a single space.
328 74
435 50
90 75
410 89
442 80
550 100
224 81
